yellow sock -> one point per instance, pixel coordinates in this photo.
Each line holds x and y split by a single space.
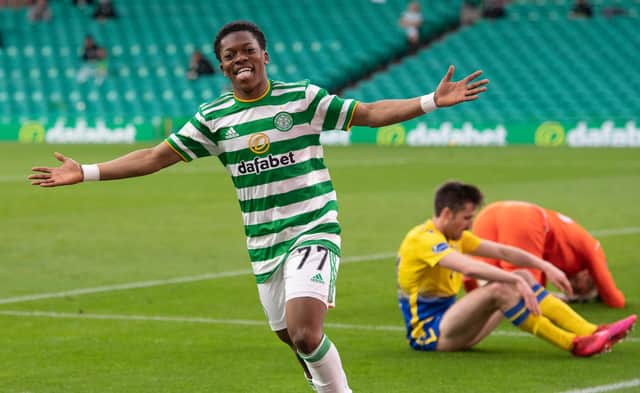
540 326
561 314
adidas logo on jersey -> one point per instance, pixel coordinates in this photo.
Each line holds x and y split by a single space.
258 165
231 133
317 278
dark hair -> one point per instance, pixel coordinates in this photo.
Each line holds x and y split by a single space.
239 25
455 194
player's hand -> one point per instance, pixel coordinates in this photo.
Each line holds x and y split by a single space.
559 279
528 296
69 172
450 93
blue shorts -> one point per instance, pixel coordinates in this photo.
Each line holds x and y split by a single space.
422 319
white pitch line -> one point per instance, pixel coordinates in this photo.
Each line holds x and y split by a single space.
209 321
154 283
117 287
13 179
212 276
249 322
608 388
615 231
242 322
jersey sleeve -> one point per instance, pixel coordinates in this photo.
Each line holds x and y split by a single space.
469 242
330 112
194 140
432 248
597 266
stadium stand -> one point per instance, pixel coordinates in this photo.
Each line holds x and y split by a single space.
542 65
330 42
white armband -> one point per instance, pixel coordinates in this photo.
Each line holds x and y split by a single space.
428 103
90 172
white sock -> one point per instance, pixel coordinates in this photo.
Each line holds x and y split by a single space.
326 368
310 382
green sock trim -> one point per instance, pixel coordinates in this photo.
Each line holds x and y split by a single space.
319 352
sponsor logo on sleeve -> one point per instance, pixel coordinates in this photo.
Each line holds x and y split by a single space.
440 247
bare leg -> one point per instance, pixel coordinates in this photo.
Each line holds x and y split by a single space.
305 317
488 327
473 318
283 335
526 274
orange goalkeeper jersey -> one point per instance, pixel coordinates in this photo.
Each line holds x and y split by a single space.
551 236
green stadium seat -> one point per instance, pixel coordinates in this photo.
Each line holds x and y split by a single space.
549 67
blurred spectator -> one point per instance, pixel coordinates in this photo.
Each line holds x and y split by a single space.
411 20
494 9
82 3
95 61
199 65
582 9
40 11
15 3
610 12
104 10
471 11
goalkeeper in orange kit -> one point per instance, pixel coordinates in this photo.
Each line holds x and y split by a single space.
551 236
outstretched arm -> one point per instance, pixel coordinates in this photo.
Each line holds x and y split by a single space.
137 163
448 93
523 258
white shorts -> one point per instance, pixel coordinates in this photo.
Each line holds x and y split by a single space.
309 271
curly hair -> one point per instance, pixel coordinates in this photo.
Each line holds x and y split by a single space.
239 25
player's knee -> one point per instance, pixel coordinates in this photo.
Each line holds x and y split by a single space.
283 335
305 339
528 277
501 293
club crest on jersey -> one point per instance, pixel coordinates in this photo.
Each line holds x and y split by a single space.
440 247
283 121
259 143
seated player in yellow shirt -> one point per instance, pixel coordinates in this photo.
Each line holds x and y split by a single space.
431 263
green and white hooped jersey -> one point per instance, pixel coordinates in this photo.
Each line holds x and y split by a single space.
271 148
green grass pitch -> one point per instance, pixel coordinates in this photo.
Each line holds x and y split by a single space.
210 335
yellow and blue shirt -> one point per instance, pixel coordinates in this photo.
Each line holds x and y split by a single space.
425 289
418 257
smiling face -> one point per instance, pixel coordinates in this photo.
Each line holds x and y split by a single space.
243 62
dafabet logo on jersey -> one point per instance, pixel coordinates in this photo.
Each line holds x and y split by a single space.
258 164
259 144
